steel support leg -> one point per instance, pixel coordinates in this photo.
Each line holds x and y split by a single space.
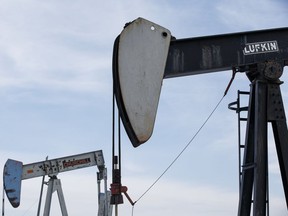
276 115
265 106
281 141
254 170
54 184
260 149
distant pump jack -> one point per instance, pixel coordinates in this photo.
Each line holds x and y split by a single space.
15 172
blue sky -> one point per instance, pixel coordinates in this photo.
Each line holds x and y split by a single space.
56 93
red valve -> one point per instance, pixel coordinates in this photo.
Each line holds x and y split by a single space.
116 192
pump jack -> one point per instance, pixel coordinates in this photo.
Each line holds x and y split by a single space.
146 53
15 172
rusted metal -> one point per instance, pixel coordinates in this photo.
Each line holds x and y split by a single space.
116 192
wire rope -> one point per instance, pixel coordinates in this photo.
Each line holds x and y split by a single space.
181 152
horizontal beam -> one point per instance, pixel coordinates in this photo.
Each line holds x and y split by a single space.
223 52
58 165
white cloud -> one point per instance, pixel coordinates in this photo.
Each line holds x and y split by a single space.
176 198
251 15
51 45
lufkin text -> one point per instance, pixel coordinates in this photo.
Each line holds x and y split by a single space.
260 47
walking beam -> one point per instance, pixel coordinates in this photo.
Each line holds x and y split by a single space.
145 53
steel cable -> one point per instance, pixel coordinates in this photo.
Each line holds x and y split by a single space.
181 152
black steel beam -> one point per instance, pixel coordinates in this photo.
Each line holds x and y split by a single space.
223 52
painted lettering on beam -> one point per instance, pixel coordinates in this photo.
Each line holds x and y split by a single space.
73 163
260 47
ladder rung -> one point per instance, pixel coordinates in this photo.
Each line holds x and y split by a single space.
243 109
244 92
248 166
243 119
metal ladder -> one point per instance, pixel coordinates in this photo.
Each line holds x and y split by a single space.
242 111
241 107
